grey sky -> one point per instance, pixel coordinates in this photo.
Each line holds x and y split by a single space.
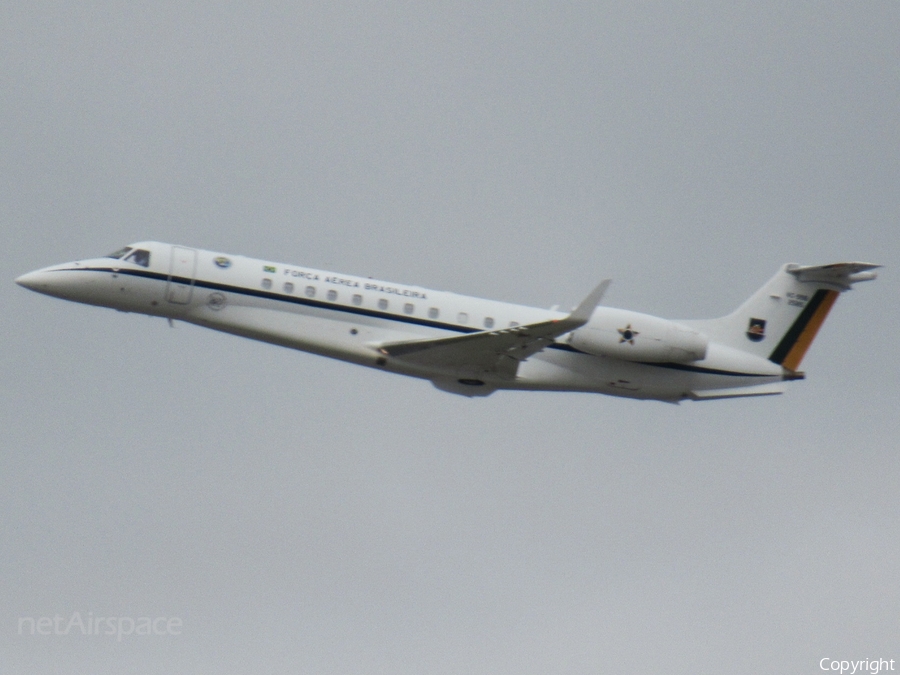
303 515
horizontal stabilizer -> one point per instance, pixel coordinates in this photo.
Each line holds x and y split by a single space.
841 275
738 392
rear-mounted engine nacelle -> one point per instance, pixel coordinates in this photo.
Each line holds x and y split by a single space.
639 337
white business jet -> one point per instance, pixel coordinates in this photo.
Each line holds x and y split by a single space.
466 345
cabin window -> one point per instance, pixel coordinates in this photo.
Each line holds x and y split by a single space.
332 295
433 312
462 317
357 299
288 287
488 322
513 324
310 291
408 308
267 283
382 304
139 257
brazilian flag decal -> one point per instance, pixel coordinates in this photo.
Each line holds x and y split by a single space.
796 341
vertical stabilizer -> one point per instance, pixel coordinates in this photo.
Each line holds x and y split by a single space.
780 320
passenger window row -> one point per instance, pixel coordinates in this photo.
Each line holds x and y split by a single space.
383 304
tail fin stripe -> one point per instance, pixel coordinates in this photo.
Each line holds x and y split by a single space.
796 341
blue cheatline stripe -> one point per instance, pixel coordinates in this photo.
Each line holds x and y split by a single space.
292 299
701 369
241 290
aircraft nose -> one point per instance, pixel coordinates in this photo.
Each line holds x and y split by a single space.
33 281
55 281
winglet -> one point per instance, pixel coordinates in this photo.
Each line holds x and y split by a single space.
582 314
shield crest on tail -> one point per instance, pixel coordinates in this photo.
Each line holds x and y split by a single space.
756 330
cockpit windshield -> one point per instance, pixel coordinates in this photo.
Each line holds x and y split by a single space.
118 254
140 257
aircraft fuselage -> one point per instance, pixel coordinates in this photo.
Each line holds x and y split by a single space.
349 318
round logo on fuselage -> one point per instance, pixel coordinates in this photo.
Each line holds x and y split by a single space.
216 301
222 262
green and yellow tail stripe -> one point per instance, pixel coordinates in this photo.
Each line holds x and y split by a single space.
792 348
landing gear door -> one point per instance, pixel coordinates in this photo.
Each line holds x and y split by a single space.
182 271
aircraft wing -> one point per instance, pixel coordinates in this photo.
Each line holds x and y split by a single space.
495 352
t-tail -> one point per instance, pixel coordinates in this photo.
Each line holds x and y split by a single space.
780 320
